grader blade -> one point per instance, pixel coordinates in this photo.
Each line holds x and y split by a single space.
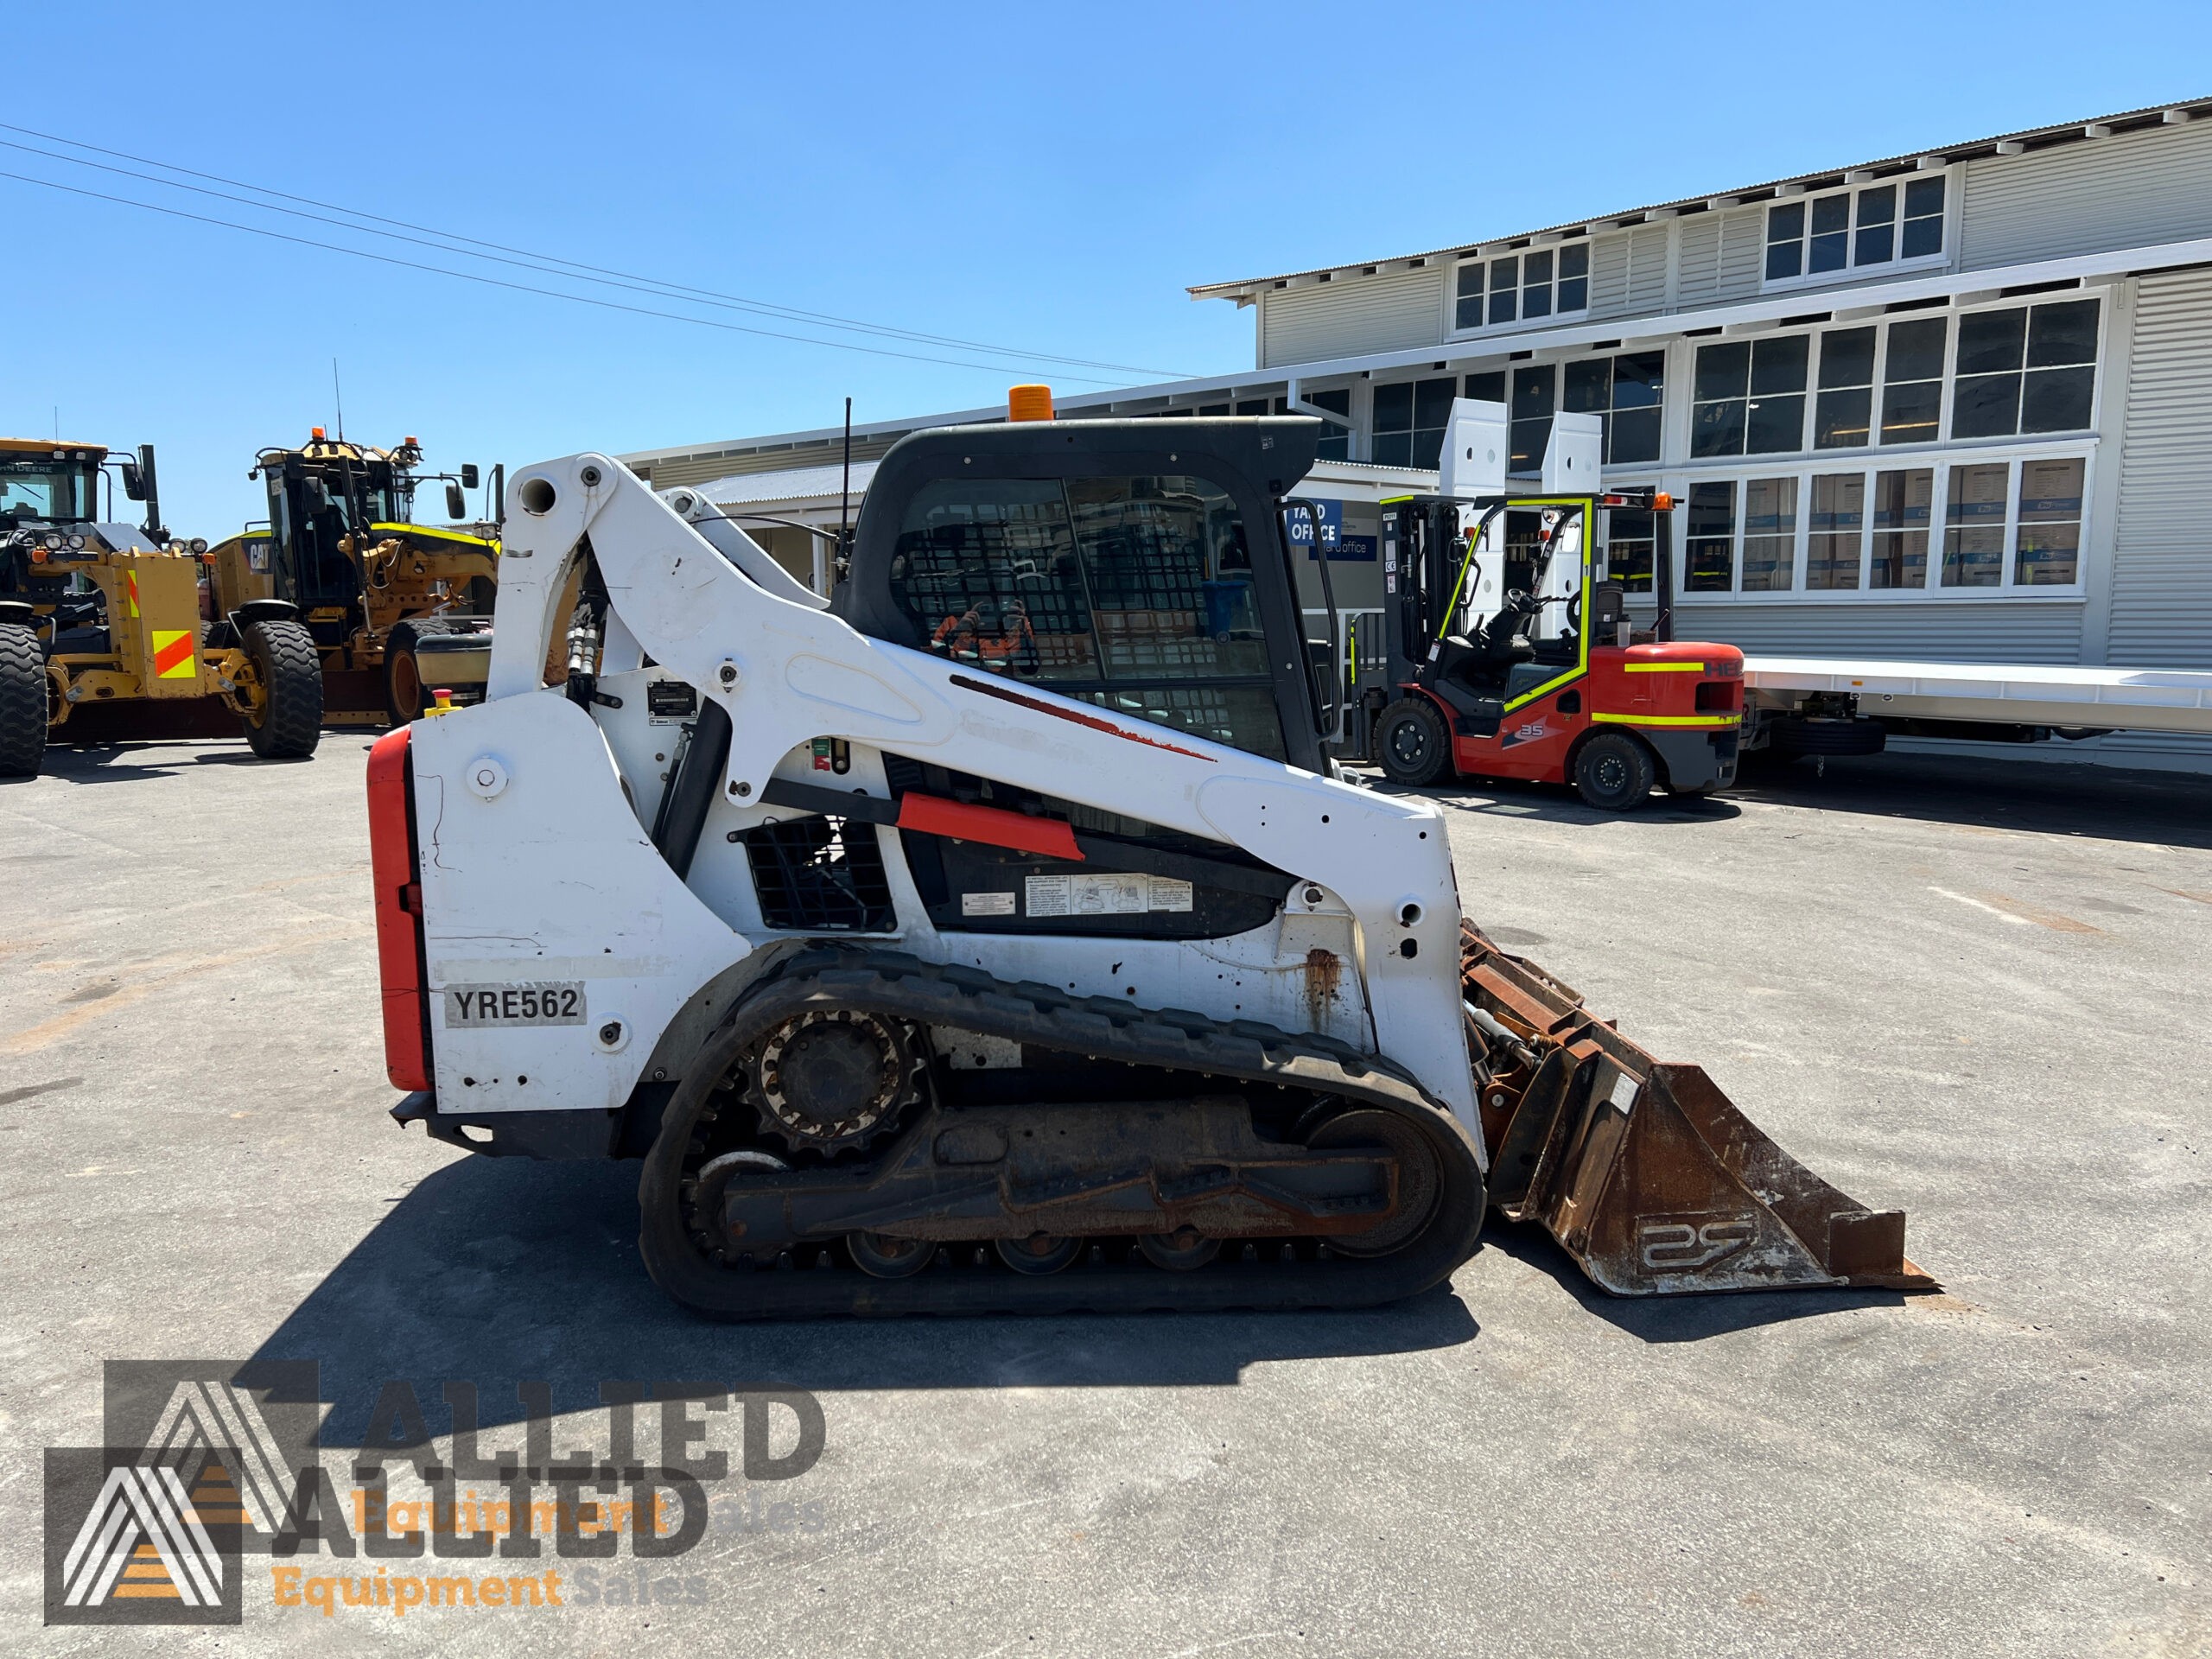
1645 1172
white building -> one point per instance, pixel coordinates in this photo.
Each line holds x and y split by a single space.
1954 404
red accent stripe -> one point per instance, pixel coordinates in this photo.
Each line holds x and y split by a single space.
399 935
171 654
994 826
1069 715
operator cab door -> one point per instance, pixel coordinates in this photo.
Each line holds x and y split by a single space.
1139 567
309 568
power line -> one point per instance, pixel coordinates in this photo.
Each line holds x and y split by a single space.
549 264
519 288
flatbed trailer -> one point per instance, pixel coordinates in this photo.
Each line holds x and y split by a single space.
1819 705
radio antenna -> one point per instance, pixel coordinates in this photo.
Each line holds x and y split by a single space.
845 497
338 398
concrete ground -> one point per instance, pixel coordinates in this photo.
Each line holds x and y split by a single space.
1972 989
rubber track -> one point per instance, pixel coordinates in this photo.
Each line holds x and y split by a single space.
22 702
292 722
893 984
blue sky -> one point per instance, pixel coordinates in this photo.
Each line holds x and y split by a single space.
1048 178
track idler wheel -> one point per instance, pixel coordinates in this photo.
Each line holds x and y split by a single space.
881 1256
1038 1253
1179 1251
1420 1180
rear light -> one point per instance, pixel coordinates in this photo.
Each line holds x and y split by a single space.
394 868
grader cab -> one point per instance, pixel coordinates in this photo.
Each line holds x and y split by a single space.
397 609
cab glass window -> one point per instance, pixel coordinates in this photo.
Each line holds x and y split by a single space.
1143 584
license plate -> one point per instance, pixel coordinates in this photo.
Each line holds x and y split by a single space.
537 1003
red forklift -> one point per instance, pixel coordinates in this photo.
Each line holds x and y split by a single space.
1505 656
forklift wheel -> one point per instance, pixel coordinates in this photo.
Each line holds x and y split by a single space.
1614 773
22 702
291 684
1412 744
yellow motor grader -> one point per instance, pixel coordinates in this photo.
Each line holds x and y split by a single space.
108 631
397 609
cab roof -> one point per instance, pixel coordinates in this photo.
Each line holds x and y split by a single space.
61 449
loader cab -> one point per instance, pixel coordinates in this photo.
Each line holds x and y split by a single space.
1141 567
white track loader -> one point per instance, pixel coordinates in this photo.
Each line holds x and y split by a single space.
999 936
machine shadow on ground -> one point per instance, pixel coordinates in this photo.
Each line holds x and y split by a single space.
1556 804
1660 1319
499 1271
2027 797
115 763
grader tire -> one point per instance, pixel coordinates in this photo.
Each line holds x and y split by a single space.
404 694
22 702
290 722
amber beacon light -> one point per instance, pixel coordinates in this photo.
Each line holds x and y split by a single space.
1029 403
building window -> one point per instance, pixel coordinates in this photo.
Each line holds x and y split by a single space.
1522 287
1488 387
1750 396
1903 500
1628 392
1534 399
1973 525
1912 381
1838 515
1854 229
1631 540
1872 530
1573 277
1336 441
2026 369
1769 535
2048 548
1711 565
1843 414
1409 422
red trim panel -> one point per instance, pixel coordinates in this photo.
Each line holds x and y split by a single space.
994 826
1072 716
399 914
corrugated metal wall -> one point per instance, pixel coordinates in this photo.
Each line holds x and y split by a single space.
1701 258
1367 314
2002 631
1609 257
701 470
1720 256
2126 192
1743 246
1628 272
2162 547
1647 268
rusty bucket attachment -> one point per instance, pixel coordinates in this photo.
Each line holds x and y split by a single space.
1646 1173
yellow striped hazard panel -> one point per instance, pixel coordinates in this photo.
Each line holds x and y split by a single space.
173 654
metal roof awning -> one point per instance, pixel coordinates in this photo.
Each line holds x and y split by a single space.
793 484
1938 155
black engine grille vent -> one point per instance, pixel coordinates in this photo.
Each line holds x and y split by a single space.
820 875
